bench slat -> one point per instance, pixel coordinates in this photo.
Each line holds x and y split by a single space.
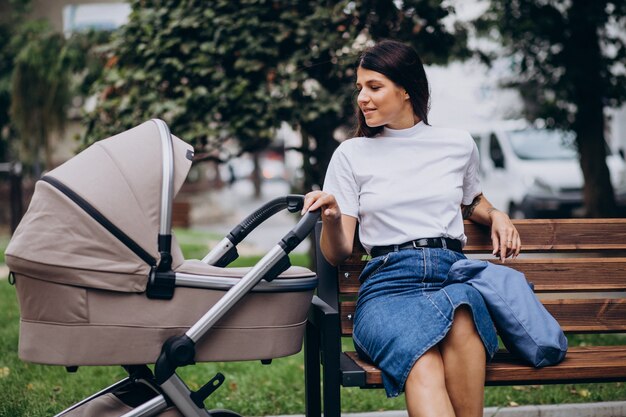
601 315
540 235
558 234
598 363
559 274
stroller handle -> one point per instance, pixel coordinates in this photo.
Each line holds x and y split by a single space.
225 252
300 230
291 202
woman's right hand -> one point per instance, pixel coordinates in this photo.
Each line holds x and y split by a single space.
338 230
324 201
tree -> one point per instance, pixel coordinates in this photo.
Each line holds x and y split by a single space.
223 73
40 93
47 71
206 68
568 59
326 57
40 72
10 20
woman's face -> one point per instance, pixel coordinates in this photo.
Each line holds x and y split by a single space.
382 101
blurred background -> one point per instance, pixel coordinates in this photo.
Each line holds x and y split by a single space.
264 90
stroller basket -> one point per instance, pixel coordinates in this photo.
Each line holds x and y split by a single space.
101 280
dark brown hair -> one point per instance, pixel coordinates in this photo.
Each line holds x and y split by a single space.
402 65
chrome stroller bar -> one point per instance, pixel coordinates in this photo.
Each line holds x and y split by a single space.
225 284
111 388
179 394
167 183
149 408
221 249
252 278
161 278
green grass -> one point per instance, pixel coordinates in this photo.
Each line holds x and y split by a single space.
4 241
251 389
195 244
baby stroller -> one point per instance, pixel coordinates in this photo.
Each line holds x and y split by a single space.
101 280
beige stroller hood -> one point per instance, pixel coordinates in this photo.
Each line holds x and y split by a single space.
121 177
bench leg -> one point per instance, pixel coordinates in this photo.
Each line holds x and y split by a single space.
312 394
332 394
331 341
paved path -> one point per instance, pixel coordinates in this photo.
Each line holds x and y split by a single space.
602 409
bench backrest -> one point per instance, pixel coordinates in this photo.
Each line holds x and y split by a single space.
577 266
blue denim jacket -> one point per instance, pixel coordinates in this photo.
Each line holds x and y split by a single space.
524 325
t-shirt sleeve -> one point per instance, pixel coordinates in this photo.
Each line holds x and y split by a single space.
340 182
471 180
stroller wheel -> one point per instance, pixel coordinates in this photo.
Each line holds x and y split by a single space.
224 413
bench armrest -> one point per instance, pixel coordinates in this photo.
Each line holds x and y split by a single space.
321 314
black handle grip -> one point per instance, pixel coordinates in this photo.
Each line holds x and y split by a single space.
292 202
301 230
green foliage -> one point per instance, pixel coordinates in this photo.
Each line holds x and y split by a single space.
40 90
9 24
207 69
40 72
222 73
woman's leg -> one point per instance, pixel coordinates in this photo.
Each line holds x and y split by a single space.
464 359
425 387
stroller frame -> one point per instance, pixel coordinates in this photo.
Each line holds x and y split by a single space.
179 350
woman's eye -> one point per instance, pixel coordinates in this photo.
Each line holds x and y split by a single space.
375 87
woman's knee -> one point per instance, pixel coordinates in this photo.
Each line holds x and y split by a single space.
428 370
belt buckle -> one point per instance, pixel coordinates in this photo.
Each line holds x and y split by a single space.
420 243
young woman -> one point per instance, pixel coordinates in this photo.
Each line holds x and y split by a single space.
410 185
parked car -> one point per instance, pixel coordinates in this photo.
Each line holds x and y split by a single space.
532 172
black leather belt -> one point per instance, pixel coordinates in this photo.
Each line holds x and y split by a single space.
428 242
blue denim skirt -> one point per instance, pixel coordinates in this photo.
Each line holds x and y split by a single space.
405 307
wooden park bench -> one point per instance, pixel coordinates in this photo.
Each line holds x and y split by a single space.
581 262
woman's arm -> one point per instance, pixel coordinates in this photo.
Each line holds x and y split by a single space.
504 236
337 229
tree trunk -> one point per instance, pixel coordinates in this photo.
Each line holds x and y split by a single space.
317 138
257 178
585 71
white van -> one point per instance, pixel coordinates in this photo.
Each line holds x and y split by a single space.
533 172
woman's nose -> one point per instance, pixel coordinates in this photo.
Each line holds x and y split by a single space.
362 98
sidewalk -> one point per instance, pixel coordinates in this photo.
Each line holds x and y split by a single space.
603 409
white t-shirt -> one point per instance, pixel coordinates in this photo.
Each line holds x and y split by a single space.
405 184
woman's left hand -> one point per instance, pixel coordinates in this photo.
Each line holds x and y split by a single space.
504 236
